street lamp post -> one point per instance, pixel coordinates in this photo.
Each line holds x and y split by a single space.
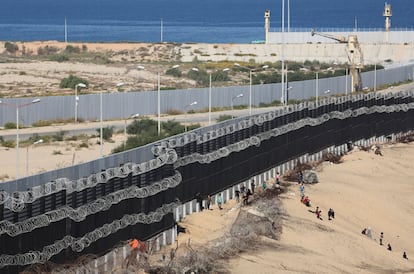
317 87
79 85
189 105
17 107
250 83
27 155
158 96
232 103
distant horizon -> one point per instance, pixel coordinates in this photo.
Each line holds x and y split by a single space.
215 21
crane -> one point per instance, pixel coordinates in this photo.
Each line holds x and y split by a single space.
354 54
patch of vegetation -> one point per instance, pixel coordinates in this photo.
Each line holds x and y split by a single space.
223 117
107 132
72 49
145 131
59 58
10 47
174 72
46 50
83 145
59 136
10 125
57 152
72 81
174 111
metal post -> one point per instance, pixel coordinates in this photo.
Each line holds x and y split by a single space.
17 142
159 104
209 103
317 87
375 77
101 129
76 103
250 94
346 81
282 54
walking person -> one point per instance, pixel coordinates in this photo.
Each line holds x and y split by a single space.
208 202
219 201
277 178
252 185
237 195
381 237
302 190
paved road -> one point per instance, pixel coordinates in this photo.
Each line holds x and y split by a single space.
90 128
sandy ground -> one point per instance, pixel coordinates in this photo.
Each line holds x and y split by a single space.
366 190
43 157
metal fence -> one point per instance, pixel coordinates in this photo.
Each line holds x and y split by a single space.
122 105
91 207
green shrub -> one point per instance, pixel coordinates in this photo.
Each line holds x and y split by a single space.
10 47
72 49
42 123
10 125
9 144
72 81
107 132
84 145
57 152
174 72
174 111
47 50
223 117
59 136
59 58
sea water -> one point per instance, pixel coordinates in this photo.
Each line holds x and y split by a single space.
208 21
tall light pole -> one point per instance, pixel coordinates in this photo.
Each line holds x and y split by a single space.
189 105
250 84
283 99
158 96
232 103
346 81
101 119
27 155
317 87
79 85
17 107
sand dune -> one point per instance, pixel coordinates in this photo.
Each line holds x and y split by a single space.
366 190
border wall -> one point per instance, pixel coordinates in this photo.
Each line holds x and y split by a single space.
142 193
121 105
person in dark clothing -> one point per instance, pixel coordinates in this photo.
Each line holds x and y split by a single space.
331 214
242 189
246 197
389 247
208 202
237 195
252 185
405 256
199 200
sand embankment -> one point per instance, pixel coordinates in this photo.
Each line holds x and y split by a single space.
366 190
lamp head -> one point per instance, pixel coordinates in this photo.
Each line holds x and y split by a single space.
36 101
226 69
82 85
141 67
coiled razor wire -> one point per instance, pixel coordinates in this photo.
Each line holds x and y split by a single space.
167 155
258 138
79 244
17 200
80 213
265 117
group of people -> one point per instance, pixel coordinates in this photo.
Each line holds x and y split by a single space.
368 233
245 193
305 200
